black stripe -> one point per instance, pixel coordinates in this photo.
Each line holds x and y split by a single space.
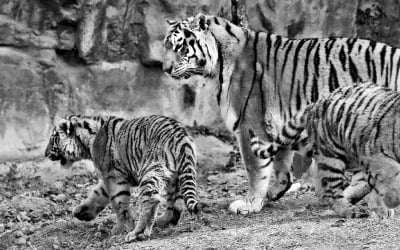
342 58
228 29
221 70
350 44
333 78
383 54
368 61
353 71
328 47
285 59
295 62
103 192
126 193
269 45
308 52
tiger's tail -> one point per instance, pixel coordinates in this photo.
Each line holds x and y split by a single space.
187 178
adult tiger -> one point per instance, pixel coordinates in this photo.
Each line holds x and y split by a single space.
154 153
263 79
355 129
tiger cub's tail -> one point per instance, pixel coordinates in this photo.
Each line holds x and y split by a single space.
288 137
187 178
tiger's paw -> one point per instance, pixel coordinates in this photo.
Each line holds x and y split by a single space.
353 212
84 212
123 228
246 206
383 212
134 236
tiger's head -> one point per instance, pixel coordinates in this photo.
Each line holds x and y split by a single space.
66 142
190 49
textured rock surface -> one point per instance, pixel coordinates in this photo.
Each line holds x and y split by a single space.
96 56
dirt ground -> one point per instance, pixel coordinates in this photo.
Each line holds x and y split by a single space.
37 198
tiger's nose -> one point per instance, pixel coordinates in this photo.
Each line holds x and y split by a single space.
167 69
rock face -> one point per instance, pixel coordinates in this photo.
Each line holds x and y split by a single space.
96 56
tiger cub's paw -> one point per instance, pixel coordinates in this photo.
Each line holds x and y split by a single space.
383 212
134 236
123 228
355 212
246 206
84 212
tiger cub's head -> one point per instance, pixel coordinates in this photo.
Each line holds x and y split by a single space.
66 143
190 49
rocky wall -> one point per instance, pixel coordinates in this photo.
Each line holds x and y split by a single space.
59 57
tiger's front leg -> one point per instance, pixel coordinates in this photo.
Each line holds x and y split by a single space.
119 190
259 173
332 183
97 200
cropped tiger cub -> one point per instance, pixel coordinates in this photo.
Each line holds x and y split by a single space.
154 153
355 128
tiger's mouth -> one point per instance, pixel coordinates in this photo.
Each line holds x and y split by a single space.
63 161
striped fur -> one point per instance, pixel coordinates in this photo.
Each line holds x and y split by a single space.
356 129
263 80
154 153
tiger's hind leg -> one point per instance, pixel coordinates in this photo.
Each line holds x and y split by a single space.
119 190
97 200
173 211
332 181
151 182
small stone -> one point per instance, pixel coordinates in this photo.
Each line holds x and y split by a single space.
58 184
21 241
19 234
2 228
60 197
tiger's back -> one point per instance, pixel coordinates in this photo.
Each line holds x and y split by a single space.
356 121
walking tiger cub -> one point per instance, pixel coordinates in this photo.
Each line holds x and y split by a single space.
263 78
355 128
154 153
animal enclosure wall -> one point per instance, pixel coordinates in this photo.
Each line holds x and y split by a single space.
105 57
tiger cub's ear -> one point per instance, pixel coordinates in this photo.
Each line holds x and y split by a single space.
67 126
203 25
171 22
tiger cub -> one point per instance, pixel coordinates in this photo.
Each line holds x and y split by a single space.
355 128
154 153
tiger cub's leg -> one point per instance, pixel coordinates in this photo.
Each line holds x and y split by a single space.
149 199
358 187
97 200
173 211
259 173
332 181
119 192
377 205
385 181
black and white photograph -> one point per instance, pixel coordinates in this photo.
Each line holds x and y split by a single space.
199 124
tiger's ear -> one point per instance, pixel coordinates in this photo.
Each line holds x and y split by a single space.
171 22
202 22
67 126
